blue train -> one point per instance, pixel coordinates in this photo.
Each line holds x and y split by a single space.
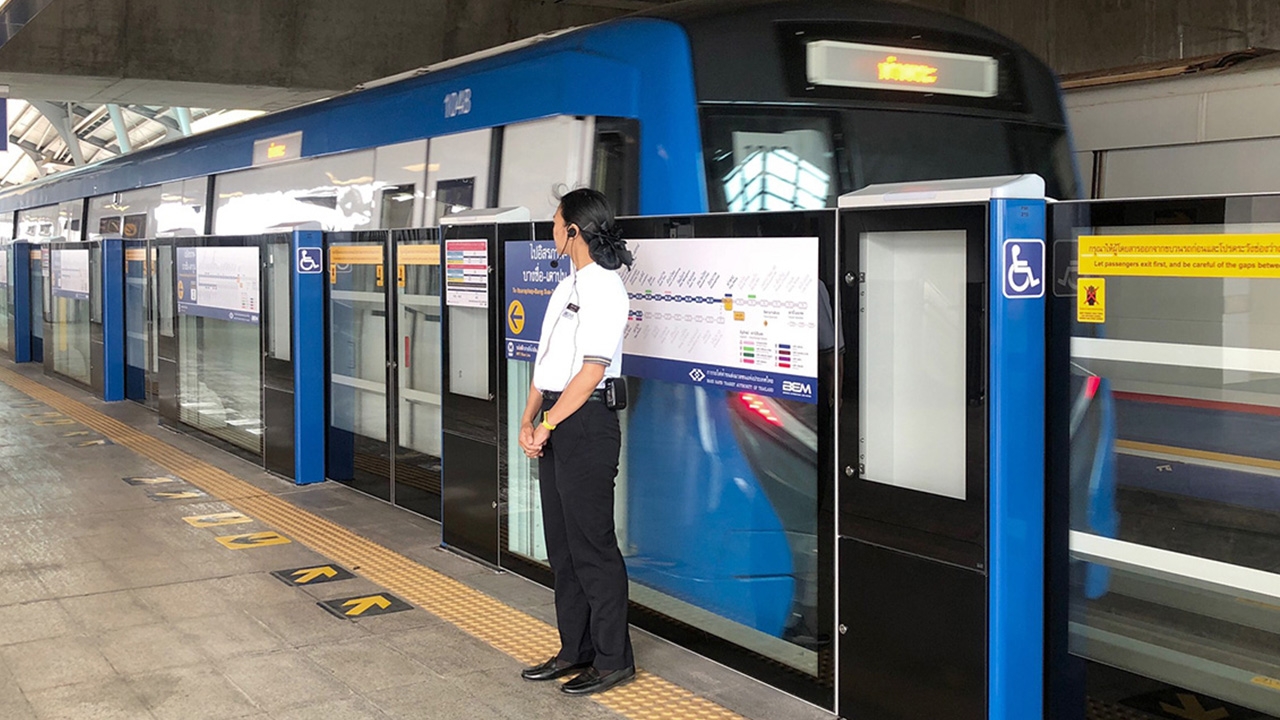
688 108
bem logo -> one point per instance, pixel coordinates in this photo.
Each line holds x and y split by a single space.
797 388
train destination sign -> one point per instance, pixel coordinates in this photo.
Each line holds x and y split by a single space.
879 67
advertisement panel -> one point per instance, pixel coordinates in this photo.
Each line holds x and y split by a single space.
220 283
69 273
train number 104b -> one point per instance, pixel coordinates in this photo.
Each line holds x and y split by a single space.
457 103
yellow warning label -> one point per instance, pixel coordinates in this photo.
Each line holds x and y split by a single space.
135 255
252 540
356 254
1211 256
515 316
217 519
419 254
1265 681
1091 300
400 275
379 276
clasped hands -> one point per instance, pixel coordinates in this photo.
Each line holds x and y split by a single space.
532 439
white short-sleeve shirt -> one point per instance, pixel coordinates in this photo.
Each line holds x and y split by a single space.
586 318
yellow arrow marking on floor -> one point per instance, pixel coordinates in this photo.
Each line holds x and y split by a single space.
151 480
1265 681
76 433
49 423
364 603
180 495
91 443
252 540
1192 709
216 519
42 415
306 575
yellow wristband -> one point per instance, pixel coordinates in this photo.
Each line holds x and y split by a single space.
546 424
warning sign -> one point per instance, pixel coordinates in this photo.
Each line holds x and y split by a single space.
1091 300
1210 256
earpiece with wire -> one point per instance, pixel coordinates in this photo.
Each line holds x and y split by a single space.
573 232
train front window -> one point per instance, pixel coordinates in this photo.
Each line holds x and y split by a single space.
770 162
764 159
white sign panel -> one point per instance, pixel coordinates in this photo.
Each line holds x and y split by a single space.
219 282
70 273
466 273
738 314
4 266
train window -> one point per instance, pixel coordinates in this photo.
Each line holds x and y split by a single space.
1047 153
616 163
770 162
454 196
906 146
396 204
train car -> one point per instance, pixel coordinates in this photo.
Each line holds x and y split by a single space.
691 107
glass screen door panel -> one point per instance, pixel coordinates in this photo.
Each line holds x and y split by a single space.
359 452
137 314
417 458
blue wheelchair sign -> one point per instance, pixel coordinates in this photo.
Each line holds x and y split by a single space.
310 260
1023 269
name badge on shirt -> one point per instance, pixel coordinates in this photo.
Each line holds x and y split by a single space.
569 311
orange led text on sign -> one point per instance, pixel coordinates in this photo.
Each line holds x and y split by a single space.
896 71
276 151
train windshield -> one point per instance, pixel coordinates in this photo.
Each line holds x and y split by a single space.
761 160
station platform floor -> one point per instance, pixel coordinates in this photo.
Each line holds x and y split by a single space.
146 574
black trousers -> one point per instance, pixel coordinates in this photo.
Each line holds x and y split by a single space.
576 473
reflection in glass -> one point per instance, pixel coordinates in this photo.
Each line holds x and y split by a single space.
716 511
358 451
220 360
1175 465
418 457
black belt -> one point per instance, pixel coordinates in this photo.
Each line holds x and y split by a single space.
551 396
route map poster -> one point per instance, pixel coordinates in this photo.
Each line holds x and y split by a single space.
220 283
738 314
70 273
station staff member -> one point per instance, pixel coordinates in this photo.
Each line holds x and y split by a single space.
569 425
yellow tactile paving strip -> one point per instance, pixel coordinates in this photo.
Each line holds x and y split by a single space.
517 634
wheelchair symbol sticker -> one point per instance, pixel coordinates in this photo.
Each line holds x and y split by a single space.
309 261
1023 269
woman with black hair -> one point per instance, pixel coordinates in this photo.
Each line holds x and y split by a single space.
569 425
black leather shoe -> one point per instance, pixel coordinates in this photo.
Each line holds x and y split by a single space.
593 681
551 669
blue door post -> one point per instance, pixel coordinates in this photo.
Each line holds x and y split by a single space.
308 357
20 254
113 332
